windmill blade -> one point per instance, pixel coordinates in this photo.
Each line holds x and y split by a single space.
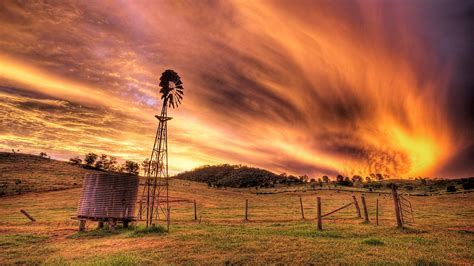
173 95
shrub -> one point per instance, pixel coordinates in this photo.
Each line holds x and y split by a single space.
373 242
90 159
143 231
76 160
451 189
131 167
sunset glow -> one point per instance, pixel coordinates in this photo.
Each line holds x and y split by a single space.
318 87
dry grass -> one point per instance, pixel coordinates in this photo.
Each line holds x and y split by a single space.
275 232
21 173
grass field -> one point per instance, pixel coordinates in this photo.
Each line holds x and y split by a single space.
275 232
22 173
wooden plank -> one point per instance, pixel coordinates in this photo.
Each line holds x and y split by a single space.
338 209
377 213
246 209
356 204
27 215
301 207
366 213
195 211
320 220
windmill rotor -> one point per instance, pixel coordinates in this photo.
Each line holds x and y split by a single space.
172 90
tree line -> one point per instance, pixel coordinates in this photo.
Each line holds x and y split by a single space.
105 162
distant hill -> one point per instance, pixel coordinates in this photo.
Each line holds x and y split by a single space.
237 176
20 173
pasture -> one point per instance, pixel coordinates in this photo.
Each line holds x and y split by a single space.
274 233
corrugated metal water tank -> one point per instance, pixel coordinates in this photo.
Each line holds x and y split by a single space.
108 196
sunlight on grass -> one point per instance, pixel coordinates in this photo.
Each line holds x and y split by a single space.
373 242
140 231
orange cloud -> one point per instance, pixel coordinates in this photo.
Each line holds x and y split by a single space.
349 87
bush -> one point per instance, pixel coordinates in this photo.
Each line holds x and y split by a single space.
90 159
373 242
467 183
139 231
131 167
76 160
451 189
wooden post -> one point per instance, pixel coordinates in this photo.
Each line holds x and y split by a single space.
28 216
246 209
397 206
366 213
140 209
195 211
356 204
320 222
82 225
301 207
168 219
125 224
377 213
100 225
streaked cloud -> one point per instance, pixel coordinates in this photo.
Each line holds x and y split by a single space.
313 87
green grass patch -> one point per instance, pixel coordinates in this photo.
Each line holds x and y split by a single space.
425 262
145 231
99 233
20 239
373 242
115 259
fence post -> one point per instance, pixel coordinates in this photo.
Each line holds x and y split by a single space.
377 213
82 225
195 211
302 210
320 222
246 209
397 206
366 213
356 204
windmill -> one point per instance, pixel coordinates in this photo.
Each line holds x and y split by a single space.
155 192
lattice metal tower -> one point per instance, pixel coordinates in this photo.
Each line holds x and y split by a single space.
155 192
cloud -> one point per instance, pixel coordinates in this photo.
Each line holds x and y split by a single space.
349 87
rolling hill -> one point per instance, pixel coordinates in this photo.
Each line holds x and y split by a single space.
20 173
236 176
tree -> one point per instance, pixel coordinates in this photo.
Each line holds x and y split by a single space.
379 177
145 165
347 182
304 178
111 164
357 178
340 179
90 159
368 179
99 164
43 155
451 189
131 167
76 160
326 179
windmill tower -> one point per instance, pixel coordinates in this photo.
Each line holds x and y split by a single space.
155 192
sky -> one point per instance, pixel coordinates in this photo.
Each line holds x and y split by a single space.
302 87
